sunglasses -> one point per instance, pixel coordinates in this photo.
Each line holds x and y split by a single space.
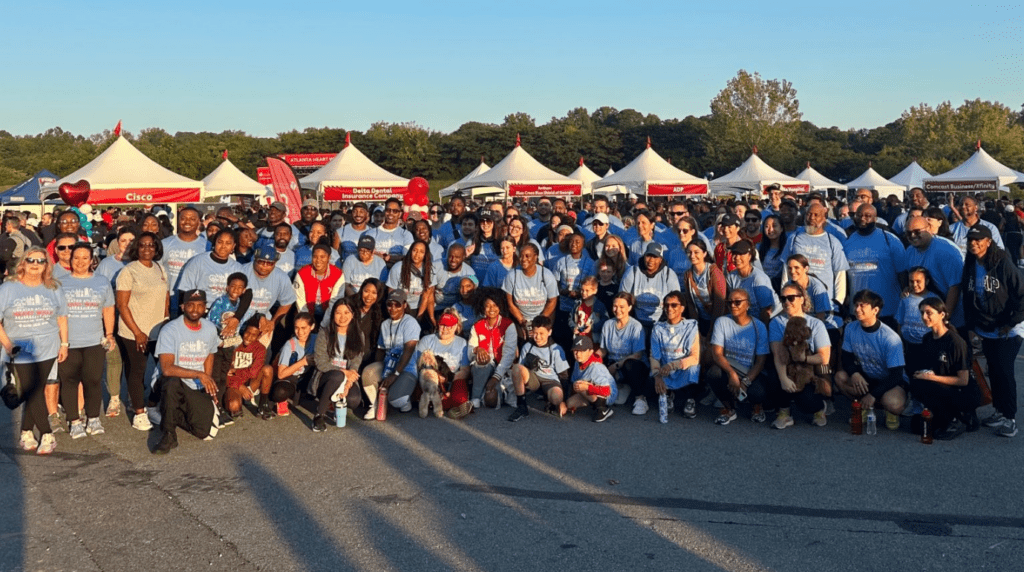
915 233
678 213
63 247
435 212
791 297
35 260
394 304
737 302
147 245
392 210
673 305
752 219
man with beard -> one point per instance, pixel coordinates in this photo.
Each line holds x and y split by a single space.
449 231
449 276
349 234
309 213
277 215
970 219
391 239
179 249
877 261
824 252
944 262
541 218
286 256
186 347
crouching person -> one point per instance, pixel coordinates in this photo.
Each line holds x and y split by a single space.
592 385
338 353
293 364
248 377
186 347
492 341
542 366
442 360
393 368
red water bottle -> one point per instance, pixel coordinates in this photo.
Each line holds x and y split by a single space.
856 419
926 427
382 404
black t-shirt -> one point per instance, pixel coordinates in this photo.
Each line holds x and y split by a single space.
947 355
606 293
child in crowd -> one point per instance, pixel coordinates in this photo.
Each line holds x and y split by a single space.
592 385
248 378
542 366
589 314
296 355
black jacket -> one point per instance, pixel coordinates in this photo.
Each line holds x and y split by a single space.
1004 293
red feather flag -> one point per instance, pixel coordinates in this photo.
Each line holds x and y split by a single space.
286 187
117 130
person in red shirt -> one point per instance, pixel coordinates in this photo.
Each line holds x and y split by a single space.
248 377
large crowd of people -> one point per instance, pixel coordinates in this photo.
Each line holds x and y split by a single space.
780 305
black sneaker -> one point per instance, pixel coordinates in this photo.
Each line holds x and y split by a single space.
603 414
519 412
267 411
319 424
972 422
226 419
167 442
952 431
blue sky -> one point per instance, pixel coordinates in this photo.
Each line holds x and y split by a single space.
267 67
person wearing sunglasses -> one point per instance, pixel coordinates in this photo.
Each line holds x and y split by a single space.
67 223
739 347
393 368
675 359
763 301
33 313
62 246
392 240
752 226
943 261
784 394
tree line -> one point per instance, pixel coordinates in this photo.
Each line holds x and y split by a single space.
748 112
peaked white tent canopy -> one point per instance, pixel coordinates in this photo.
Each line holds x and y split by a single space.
818 181
475 192
123 175
913 176
651 175
520 175
584 175
227 179
754 175
979 173
352 176
614 190
870 179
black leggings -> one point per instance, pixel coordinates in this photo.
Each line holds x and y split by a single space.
85 366
718 380
946 402
32 380
329 384
637 376
135 370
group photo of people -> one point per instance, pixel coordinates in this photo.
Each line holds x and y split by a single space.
776 309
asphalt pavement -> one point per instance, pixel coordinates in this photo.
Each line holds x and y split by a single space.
543 493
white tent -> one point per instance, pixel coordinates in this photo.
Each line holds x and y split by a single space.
615 190
651 175
913 176
226 180
352 176
818 181
123 175
476 192
979 173
754 176
870 179
584 175
520 175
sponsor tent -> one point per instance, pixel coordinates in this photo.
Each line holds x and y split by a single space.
870 179
585 176
123 175
649 174
978 174
913 176
614 190
754 176
520 175
352 176
818 181
27 193
228 180
475 192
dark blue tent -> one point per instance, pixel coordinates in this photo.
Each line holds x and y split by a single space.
27 193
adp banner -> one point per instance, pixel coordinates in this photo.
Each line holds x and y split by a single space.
286 187
682 189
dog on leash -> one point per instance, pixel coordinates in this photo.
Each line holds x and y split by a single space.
434 377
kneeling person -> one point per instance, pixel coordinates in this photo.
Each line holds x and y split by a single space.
542 365
592 385
186 347
248 377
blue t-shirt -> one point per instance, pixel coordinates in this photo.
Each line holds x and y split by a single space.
670 342
356 272
570 273
211 277
597 374
349 238
908 316
820 302
550 359
875 261
741 344
394 335
416 284
819 335
270 291
759 287
86 298
448 281
190 348
177 253
30 319
531 293
877 351
648 291
825 256
455 353
304 256
293 351
946 264
109 268
621 343
394 242
495 275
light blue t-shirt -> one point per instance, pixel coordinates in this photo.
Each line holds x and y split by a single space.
349 238
531 293
266 292
741 344
908 316
648 291
877 351
495 275
550 359
86 298
190 348
946 264
394 335
295 347
177 253
819 335
825 256
455 353
875 261
356 272
109 267
570 273
621 343
670 342
447 292
759 286
416 283
394 242
30 319
211 277
597 374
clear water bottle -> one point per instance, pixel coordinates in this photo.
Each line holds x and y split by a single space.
872 426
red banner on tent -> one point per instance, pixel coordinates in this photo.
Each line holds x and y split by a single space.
286 187
142 196
527 190
355 194
663 190
263 175
308 159
961 186
798 188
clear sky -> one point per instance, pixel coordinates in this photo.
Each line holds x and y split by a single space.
267 67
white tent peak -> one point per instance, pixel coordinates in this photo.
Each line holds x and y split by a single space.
912 176
753 176
479 170
123 166
584 175
819 181
870 179
518 167
649 168
979 167
227 179
352 169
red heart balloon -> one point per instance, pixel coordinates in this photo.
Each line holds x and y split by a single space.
75 194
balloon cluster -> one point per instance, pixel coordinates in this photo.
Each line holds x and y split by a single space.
83 213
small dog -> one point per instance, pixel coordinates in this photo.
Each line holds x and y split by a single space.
434 375
796 340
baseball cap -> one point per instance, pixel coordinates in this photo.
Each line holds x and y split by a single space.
449 320
279 206
194 295
730 220
655 249
601 218
978 232
397 295
366 242
265 253
742 247
582 343
310 203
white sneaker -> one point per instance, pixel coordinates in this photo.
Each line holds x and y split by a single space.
624 392
475 403
510 396
370 415
141 421
640 407
114 407
77 430
47 444
93 427
28 441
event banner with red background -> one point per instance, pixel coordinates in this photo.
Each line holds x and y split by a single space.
527 190
665 190
799 188
286 187
355 194
961 186
142 196
302 163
